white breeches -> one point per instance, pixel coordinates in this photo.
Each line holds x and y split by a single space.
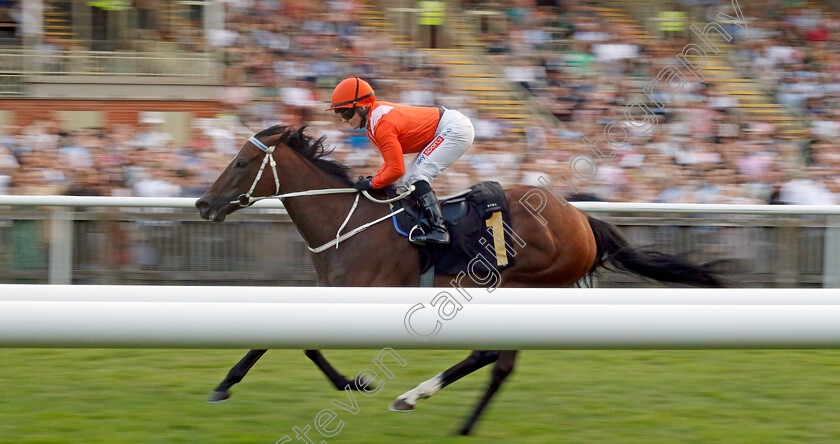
454 135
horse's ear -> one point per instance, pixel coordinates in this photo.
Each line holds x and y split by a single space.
288 134
302 140
276 129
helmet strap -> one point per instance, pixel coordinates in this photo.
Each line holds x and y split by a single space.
356 96
363 113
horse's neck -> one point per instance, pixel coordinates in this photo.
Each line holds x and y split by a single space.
318 218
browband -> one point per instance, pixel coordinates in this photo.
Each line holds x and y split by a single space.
258 144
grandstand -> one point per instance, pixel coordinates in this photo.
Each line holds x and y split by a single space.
534 76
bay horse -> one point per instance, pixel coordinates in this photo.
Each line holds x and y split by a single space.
570 247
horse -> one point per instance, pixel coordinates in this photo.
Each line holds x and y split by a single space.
570 247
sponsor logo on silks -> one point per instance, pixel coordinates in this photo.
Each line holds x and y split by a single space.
433 145
420 159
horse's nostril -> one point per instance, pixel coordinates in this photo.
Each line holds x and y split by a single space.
203 208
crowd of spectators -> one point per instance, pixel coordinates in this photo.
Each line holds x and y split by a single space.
122 161
793 49
585 69
281 67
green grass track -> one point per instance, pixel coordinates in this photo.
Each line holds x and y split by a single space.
157 396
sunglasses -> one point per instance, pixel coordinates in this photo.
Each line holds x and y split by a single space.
346 113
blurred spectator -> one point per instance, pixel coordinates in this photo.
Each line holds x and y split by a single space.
8 164
147 16
803 190
9 18
160 182
87 182
7 159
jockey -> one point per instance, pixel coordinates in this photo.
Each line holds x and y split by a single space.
437 135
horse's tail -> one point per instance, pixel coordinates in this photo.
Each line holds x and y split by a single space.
614 249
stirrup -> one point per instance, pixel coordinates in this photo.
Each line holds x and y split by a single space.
427 236
411 235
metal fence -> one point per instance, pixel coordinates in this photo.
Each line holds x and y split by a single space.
108 63
149 246
759 251
130 244
17 65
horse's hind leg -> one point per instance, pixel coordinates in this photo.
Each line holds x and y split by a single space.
502 369
337 379
235 375
476 360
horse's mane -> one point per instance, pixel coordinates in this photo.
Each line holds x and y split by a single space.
311 149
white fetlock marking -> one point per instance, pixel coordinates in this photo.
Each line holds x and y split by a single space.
423 391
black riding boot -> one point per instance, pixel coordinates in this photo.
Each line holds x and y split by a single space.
436 232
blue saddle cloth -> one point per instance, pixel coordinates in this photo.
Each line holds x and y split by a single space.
477 219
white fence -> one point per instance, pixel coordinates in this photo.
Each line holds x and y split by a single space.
611 207
311 317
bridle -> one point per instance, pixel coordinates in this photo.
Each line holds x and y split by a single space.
246 200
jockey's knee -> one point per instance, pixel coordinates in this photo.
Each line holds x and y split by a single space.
411 179
421 187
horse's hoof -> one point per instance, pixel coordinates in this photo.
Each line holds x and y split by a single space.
464 432
216 396
401 405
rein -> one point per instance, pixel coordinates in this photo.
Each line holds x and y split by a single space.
246 200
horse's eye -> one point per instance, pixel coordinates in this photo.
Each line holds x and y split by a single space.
241 164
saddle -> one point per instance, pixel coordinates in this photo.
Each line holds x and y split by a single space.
478 221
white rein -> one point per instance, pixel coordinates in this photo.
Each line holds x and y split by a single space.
246 199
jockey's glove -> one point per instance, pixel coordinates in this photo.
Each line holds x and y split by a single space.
364 183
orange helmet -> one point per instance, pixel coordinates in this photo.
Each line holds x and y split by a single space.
352 92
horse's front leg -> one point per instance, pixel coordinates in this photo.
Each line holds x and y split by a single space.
222 392
337 379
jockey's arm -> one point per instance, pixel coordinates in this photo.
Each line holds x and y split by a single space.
392 153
